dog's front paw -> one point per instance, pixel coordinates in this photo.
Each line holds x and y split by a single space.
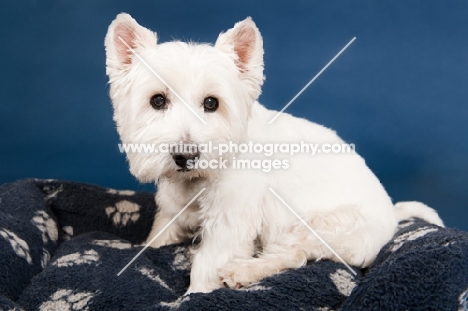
237 274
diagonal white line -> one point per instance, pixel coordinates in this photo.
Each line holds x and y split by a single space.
313 79
313 231
162 80
162 230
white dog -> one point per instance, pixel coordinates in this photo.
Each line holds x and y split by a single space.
336 194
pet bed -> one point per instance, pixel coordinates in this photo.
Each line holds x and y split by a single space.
63 243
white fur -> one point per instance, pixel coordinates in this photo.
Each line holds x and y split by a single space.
336 194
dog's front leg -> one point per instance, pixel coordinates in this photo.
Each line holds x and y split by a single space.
228 232
218 247
170 199
166 235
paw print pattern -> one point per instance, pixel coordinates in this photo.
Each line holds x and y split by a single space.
121 192
411 236
78 258
112 244
174 305
68 232
20 247
406 223
463 301
343 281
255 287
46 225
153 276
181 259
66 300
45 258
123 212
52 191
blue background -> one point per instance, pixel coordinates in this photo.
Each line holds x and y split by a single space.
399 92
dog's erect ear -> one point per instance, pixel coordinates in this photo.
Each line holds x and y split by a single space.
245 43
123 31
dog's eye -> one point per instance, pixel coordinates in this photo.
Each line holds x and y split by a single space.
210 104
158 101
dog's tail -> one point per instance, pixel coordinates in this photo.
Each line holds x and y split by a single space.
406 210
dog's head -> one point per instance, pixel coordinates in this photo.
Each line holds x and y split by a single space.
181 92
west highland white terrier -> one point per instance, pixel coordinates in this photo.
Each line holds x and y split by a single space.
186 93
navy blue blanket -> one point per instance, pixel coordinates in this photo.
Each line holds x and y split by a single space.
63 243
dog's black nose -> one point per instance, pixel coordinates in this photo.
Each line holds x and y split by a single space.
181 159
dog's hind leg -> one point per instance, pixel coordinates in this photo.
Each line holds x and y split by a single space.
344 231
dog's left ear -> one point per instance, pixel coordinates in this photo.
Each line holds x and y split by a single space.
245 44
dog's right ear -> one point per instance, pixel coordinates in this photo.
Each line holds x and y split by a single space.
124 34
